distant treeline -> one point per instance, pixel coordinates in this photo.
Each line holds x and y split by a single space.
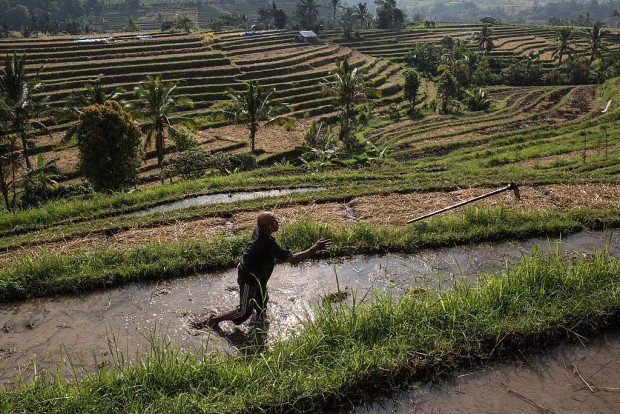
83 16
578 13
49 16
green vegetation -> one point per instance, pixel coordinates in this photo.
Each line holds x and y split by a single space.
56 273
109 146
382 342
534 105
156 102
253 106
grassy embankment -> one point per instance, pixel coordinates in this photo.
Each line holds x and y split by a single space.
346 354
76 272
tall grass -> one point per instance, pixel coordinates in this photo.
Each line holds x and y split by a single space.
55 273
346 353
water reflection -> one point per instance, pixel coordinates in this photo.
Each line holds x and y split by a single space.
81 324
226 198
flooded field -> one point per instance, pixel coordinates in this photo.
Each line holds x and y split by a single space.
42 331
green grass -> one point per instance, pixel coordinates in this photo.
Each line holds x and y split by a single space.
51 273
347 353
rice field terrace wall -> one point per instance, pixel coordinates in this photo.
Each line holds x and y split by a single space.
509 41
204 70
206 66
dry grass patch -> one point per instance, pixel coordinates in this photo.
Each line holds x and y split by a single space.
331 213
396 209
168 233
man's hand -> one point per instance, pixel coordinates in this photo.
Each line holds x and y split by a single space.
321 244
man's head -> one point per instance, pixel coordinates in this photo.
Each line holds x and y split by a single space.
267 222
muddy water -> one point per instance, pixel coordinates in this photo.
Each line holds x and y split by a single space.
566 379
36 331
226 198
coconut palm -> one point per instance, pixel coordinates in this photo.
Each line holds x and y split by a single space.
346 21
362 14
347 88
595 42
472 60
335 5
308 13
563 45
155 102
10 160
485 39
24 106
254 106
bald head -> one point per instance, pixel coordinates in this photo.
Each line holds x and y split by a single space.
267 222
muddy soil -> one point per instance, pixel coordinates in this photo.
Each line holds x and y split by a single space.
572 378
42 332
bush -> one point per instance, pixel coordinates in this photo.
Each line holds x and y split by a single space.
109 144
187 164
522 72
228 164
394 112
319 137
183 141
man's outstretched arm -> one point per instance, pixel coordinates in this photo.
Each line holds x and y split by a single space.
299 257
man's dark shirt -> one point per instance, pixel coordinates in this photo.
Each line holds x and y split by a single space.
259 258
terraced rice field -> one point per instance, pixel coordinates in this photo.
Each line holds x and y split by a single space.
561 144
204 71
206 67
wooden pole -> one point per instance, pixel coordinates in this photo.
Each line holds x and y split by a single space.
511 186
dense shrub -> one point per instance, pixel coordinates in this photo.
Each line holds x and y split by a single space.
187 164
318 136
227 164
108 141
424 57
184 141
522 72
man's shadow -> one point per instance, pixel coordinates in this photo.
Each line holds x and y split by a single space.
250 342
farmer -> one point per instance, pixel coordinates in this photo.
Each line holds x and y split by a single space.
255 267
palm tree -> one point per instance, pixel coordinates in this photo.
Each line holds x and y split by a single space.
18 93
93 94
156 101
346 21
253 106
484 39
563 44
308 13
362 14
472 60
10 161
347 88
335 4
595 42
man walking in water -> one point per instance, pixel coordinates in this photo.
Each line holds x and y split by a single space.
256 266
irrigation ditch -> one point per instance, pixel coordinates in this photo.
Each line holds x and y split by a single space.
75 334
570 378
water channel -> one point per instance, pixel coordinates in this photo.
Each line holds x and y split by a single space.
36 331
226 198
